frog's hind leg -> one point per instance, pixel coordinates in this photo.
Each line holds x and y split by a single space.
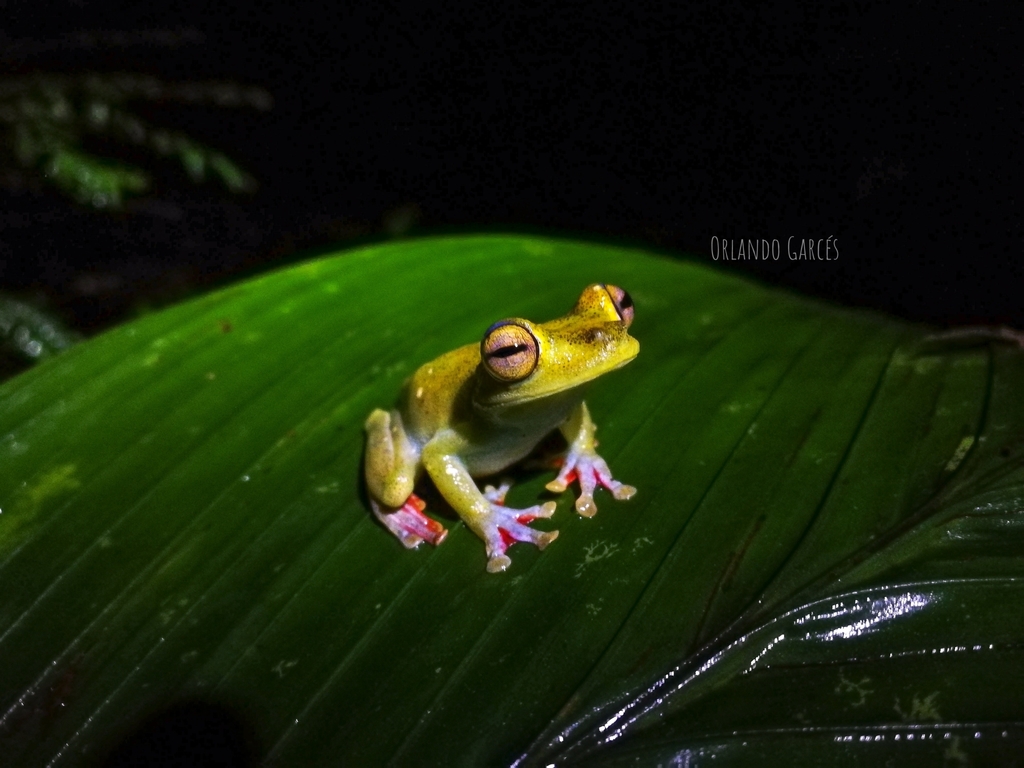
391 462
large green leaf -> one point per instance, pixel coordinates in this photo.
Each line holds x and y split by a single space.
823 561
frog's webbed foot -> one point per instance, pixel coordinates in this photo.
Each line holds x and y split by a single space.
591 470
409 524
504 526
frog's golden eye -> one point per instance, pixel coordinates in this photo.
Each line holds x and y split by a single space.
623 303
509 351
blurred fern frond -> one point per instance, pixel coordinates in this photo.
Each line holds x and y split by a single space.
45 117
31 333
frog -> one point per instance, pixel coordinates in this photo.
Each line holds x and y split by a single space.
483 407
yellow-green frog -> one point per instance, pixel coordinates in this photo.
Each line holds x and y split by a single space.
481 408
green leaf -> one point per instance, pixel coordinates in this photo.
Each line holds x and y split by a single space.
822 564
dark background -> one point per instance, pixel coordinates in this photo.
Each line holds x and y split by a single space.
892 129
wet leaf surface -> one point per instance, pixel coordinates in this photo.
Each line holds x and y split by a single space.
822 562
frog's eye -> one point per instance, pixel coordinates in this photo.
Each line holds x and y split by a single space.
509 351
623 303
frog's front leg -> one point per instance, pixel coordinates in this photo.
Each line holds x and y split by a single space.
582 462
391 462
499 526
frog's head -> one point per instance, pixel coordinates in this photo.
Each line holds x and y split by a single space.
525 361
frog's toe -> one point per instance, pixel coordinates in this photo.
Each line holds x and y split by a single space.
408 523
546 538
497 495
528 515
539 539
585 505
621 491
498 563
511 531
566 474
